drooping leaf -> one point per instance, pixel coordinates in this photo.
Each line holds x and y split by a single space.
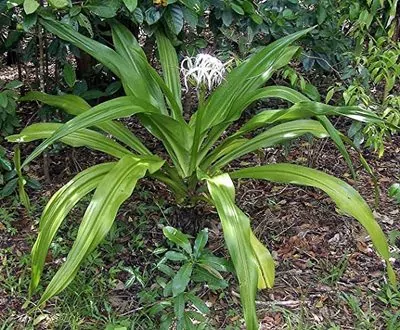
346 198
307 109
112 191
271 137
237 232
116 108
76 105
57 209
81 138
102 53
336 137
265 262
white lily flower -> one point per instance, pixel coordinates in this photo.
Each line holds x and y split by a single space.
203 70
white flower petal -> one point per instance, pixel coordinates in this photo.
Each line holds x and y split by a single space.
204 69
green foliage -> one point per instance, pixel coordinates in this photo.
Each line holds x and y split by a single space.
372 19
30 6
299 82
390 296
184 269
8 117
326 46
373 89
240 25
193 163
336 272
10 178
394 191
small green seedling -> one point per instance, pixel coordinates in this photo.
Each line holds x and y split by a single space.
185 269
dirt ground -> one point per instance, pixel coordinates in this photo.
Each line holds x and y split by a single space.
322 257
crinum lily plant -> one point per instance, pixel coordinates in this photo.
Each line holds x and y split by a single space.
197 151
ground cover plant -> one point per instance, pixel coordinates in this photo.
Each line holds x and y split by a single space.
197 150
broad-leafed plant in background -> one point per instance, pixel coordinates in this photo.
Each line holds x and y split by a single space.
197 151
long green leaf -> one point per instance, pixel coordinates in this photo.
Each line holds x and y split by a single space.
303 110
128 47
102 53
237 233
139 80
247 77
230 106
336 137
75 105
170 66
117 108
129 63
56 211
176 136
105 55
279 92
275 135
72 104
112 191
265 262
80 138
346 198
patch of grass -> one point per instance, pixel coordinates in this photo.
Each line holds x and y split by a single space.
336 271
7 216
365 318
299 320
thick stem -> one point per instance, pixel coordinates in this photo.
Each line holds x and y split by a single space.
174 183
201 92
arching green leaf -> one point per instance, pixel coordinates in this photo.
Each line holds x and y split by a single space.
170 65
237 232
116 108
273 136
76 105
57 209
80 138
346 198
112 191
